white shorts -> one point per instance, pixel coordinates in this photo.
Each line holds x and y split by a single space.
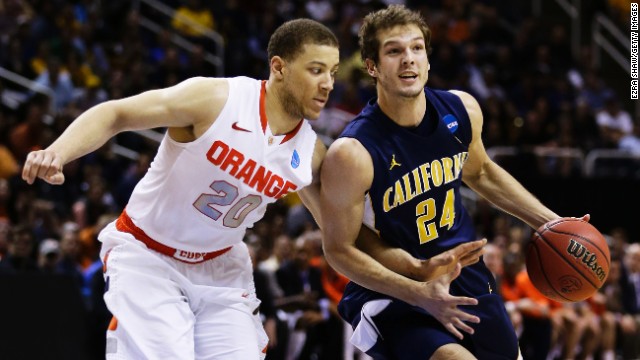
168 309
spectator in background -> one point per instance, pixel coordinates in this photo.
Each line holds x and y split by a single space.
59 80
97 202
281 253
19 258
302 288
612 117
5 198
31 133
8 164
5 227
130 179
69 263
320 10
585 129
49 255
264 292
593 89
619 326
192 19
632 264
493 255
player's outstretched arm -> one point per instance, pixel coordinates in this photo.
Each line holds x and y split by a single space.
342 207
191 104
492 182
400 261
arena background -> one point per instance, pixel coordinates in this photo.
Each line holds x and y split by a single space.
546 72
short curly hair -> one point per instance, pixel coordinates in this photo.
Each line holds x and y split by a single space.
393 15
289 38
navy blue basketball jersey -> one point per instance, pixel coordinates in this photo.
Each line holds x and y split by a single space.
415 196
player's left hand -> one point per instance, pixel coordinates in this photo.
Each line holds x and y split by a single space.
443 306
466 254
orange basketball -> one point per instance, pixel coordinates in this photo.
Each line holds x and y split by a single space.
568 259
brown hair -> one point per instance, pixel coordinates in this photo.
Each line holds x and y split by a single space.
289 38
394 15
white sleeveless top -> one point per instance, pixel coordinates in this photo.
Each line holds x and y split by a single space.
201 196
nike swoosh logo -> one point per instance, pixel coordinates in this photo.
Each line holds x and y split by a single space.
236 127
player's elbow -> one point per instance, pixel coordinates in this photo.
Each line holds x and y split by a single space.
334 252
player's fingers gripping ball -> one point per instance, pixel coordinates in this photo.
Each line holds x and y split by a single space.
568 259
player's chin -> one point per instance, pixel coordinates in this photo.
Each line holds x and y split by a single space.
312 114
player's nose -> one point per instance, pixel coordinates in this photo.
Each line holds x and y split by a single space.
407 57
327 83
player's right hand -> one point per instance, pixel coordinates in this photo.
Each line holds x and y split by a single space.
43 164
444 306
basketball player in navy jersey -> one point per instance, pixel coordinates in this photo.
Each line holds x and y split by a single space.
407 154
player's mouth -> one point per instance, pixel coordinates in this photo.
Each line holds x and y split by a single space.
321 102
408 76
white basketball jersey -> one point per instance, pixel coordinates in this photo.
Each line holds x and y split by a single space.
201 196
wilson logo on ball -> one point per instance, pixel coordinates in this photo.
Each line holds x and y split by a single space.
589 259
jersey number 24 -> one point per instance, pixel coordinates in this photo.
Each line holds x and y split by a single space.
426 213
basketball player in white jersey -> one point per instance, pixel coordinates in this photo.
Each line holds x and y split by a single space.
178 276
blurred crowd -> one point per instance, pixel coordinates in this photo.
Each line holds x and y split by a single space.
533 92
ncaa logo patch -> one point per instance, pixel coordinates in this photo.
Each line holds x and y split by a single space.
452 122
295 159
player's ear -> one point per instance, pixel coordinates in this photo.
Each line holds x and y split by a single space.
277 66
371 68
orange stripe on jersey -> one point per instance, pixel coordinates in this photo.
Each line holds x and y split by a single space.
113 324
263 111
104 262
291 133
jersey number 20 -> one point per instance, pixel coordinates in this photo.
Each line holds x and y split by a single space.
426 212
225 195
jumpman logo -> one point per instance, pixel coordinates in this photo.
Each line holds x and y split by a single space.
490 289
394 162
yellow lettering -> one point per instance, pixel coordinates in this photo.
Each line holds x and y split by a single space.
426 211
417 181
447 164
407 187
399 199
436 173
386 205
457 166
424 170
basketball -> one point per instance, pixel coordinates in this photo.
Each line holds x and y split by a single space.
568 259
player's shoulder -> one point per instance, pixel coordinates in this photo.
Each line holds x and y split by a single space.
201 87
347 149
467 99
219 85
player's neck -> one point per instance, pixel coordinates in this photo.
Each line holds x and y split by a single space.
404 111
279 120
